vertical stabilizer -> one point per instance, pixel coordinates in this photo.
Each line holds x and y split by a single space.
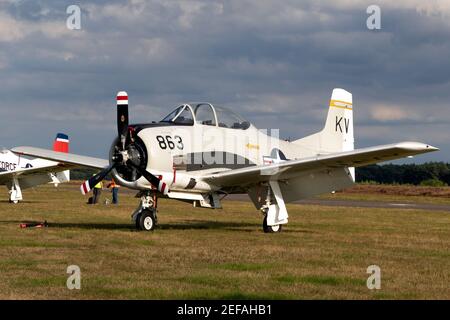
337 135
61 143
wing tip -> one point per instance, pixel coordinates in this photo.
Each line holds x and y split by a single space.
416 146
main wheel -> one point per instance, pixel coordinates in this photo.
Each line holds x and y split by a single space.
146 220
270 229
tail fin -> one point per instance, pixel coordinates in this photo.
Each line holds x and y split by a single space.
337 135
61 143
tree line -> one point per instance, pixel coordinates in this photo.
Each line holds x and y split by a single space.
429 174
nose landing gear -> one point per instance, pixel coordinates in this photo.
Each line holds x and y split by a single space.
145 216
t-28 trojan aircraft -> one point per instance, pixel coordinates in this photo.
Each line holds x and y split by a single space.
200 153
17 172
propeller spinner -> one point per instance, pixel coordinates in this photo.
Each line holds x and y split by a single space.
125 155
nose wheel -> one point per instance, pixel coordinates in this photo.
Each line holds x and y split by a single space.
145 215
146 220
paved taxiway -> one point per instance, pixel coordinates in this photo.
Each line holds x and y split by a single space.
361 204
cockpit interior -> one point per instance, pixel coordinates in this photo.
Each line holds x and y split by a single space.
206 114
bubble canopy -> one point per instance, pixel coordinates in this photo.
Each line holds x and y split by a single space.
206 114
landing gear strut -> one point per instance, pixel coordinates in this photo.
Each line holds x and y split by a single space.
274 211
15 193
145 215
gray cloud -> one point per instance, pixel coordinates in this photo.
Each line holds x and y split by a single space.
276 63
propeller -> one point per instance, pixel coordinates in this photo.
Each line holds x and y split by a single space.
123 156
122 117
88 185
157 183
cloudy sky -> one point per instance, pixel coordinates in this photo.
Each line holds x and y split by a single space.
275 62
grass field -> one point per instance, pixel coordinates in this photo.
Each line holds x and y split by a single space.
394 193
200 253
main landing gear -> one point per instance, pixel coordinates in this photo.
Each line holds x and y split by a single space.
271 229
145 216
15 193
274 211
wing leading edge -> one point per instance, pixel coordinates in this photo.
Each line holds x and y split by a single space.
61 157
291 168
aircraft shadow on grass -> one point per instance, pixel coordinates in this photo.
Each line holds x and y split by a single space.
184 225
23 202
188 225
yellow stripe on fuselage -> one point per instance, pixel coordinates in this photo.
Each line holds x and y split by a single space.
341 104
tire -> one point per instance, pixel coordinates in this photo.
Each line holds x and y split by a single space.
271 229
146 220
137 222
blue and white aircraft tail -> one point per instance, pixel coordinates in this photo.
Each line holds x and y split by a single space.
18 172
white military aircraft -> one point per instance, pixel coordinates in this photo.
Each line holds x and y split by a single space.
18 172
200 152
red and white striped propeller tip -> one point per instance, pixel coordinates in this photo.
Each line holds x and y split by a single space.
162 187
122 98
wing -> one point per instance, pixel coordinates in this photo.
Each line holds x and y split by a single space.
62 158
291 168
6 176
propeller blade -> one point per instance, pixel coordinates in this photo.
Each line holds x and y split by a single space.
122 116
154 181
88 185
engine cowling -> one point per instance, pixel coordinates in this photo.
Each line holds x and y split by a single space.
136 151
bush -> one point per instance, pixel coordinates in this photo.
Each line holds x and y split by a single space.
433 183
369 182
